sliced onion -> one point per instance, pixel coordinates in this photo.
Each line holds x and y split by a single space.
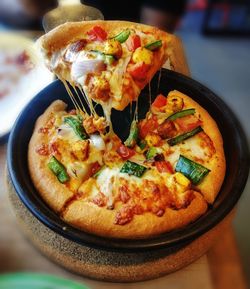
78 170
70 56
83 66
97 141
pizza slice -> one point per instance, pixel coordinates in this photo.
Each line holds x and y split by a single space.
111 61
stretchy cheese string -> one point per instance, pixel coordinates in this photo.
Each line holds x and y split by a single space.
149 92
159 81
80 100
88 101
76 105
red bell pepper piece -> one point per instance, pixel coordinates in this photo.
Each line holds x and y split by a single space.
160 101
125 152
164 167
188 123
147 126
133 42
139 71
97 33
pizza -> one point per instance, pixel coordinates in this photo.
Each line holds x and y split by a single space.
110 61
162 177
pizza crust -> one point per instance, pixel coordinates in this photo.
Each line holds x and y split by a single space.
211 184
91 218
53 193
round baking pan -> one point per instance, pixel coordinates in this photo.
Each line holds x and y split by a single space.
235 145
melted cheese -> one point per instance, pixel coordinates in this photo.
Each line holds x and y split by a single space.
190 148
117 77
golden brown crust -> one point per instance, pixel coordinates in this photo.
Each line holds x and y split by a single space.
53 192
79 213
178 64
211 184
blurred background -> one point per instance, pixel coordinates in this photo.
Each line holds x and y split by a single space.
216 37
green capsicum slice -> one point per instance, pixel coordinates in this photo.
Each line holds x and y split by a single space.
77 126
154 45
107 58
190 169
133 135
122 36
58 169
132 168
181 113
184 136
142 144
151 153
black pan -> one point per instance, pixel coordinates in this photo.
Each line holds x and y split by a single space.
236 150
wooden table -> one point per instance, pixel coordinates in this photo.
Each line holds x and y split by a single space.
220 268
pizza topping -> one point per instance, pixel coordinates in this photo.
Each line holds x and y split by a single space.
122 36
159 101
147 125
95 167
100 200
94 124
58 169
192 170
164 167
124 216
181 114
112 47
142 144
97 141
184 136
142 55
174 102
125 152
152 153
99 171
100 88
133 135
153 139
154 45
72 52
139 71
86 63
77 126
132 168
123 194
78 170
133 42
97 33
188 123
80 150
167 129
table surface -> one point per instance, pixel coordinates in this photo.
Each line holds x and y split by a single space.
220 268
